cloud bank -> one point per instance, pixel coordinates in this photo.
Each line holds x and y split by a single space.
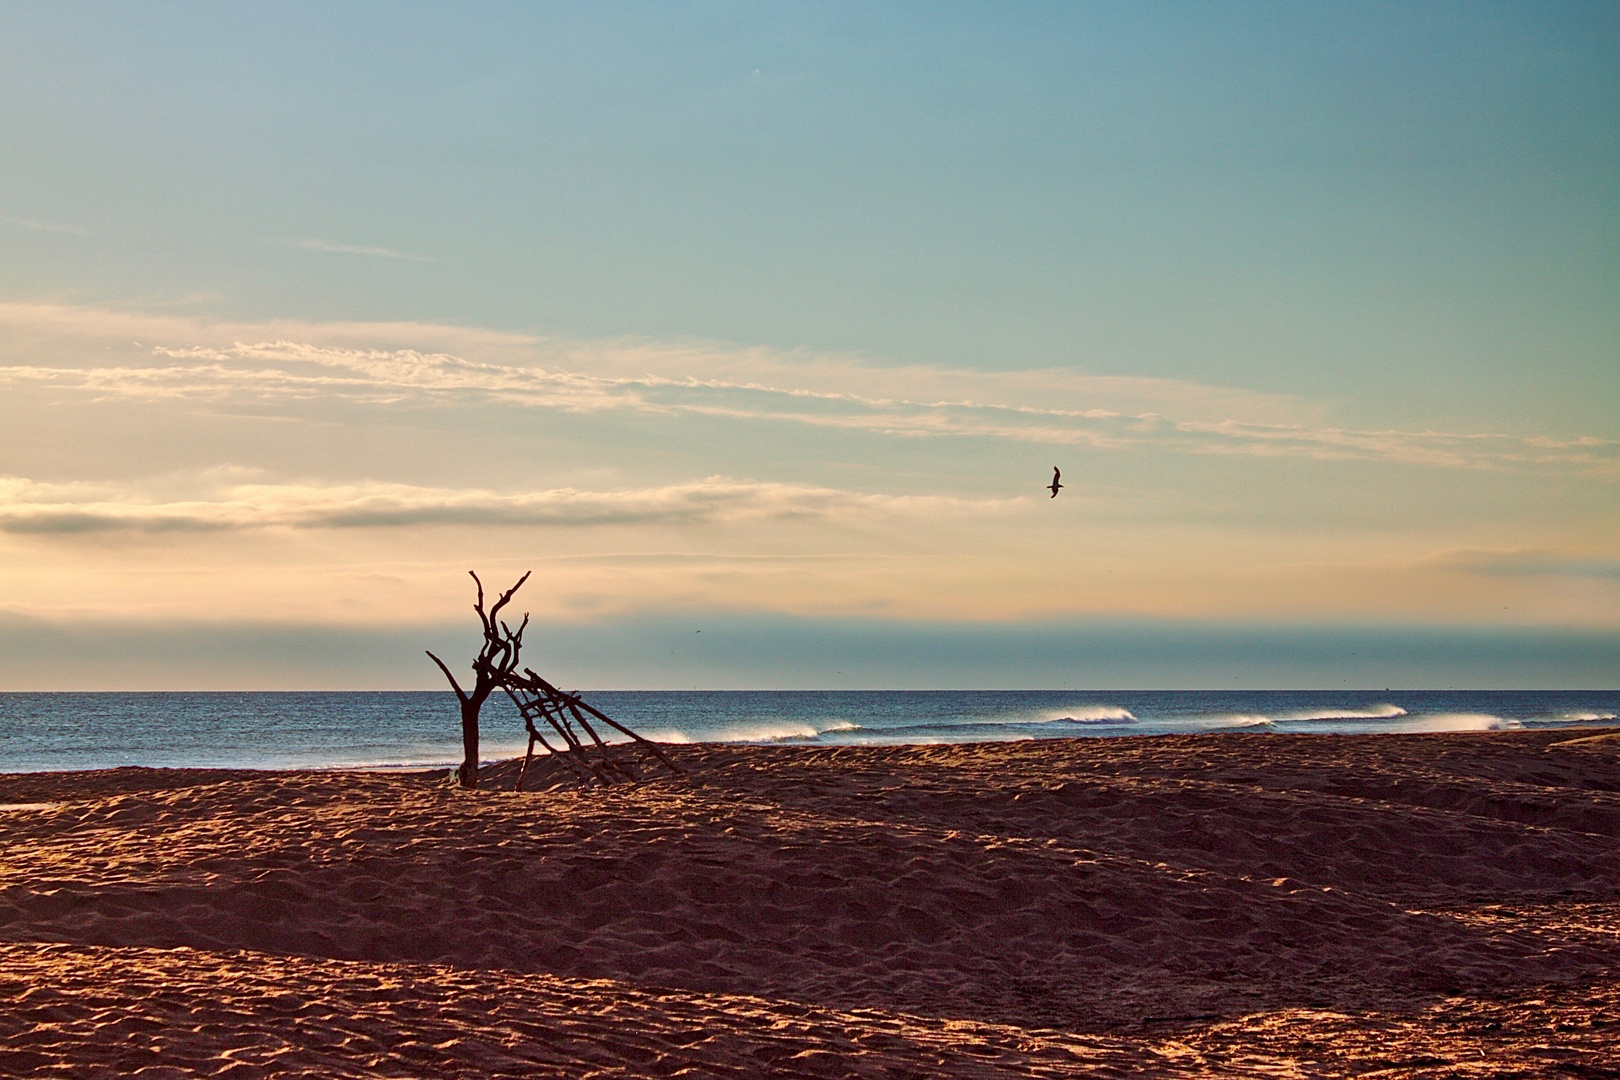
759 652
1054 408
312 244
27 507
1532 564
160 463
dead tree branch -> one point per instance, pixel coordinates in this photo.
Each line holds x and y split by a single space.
496 661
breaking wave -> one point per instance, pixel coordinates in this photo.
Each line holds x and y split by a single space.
1460 722
784 731
1085 714
1239 720
1371 712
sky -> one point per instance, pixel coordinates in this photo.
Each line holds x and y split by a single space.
755 331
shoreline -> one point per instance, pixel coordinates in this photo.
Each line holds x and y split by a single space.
420 730
1594 728
1030 908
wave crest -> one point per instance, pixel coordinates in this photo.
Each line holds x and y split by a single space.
1241 720
1087 714
1371 712
1461 722
768 732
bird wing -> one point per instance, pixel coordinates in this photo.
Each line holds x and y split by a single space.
1056 475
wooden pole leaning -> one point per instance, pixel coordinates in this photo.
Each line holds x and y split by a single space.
591 758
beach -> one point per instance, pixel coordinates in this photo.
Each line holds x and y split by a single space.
1419 905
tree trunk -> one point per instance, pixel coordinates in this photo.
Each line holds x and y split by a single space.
495 664
468 773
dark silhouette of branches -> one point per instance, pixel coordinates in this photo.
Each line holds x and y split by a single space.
495 663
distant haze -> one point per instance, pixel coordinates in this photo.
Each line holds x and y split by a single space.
770 322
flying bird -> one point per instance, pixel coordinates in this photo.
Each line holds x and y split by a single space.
1054 485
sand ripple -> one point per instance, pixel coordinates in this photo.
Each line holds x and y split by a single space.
1160 905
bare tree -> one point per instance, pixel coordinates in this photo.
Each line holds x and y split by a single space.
496 661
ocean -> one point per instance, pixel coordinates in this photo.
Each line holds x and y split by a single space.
318 729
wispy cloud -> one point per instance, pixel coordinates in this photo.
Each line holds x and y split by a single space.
294 370
1531 563
1053 407
45 226
413 450
313 244
78 335
28 507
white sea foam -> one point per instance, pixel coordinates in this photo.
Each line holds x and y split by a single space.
666 735
779 731
1238 720
1586 717
1459 722
1080 714
1261 720
1373 712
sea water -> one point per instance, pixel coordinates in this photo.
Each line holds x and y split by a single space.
405 729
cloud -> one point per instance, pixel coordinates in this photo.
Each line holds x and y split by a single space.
27 507
296 370
477 368
1531 563
312 244
46 226
78 336
762 650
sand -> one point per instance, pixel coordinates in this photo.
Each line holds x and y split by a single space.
1243 905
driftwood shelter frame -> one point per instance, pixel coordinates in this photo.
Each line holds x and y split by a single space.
589 758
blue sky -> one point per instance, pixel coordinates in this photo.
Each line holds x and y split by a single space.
779 315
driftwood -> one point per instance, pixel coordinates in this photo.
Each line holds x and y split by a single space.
540 704
600 762
496 661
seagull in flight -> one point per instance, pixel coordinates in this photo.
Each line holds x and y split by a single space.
1054 485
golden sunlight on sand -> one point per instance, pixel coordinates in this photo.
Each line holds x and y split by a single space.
1410 906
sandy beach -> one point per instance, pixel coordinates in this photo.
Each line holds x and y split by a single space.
1400 906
